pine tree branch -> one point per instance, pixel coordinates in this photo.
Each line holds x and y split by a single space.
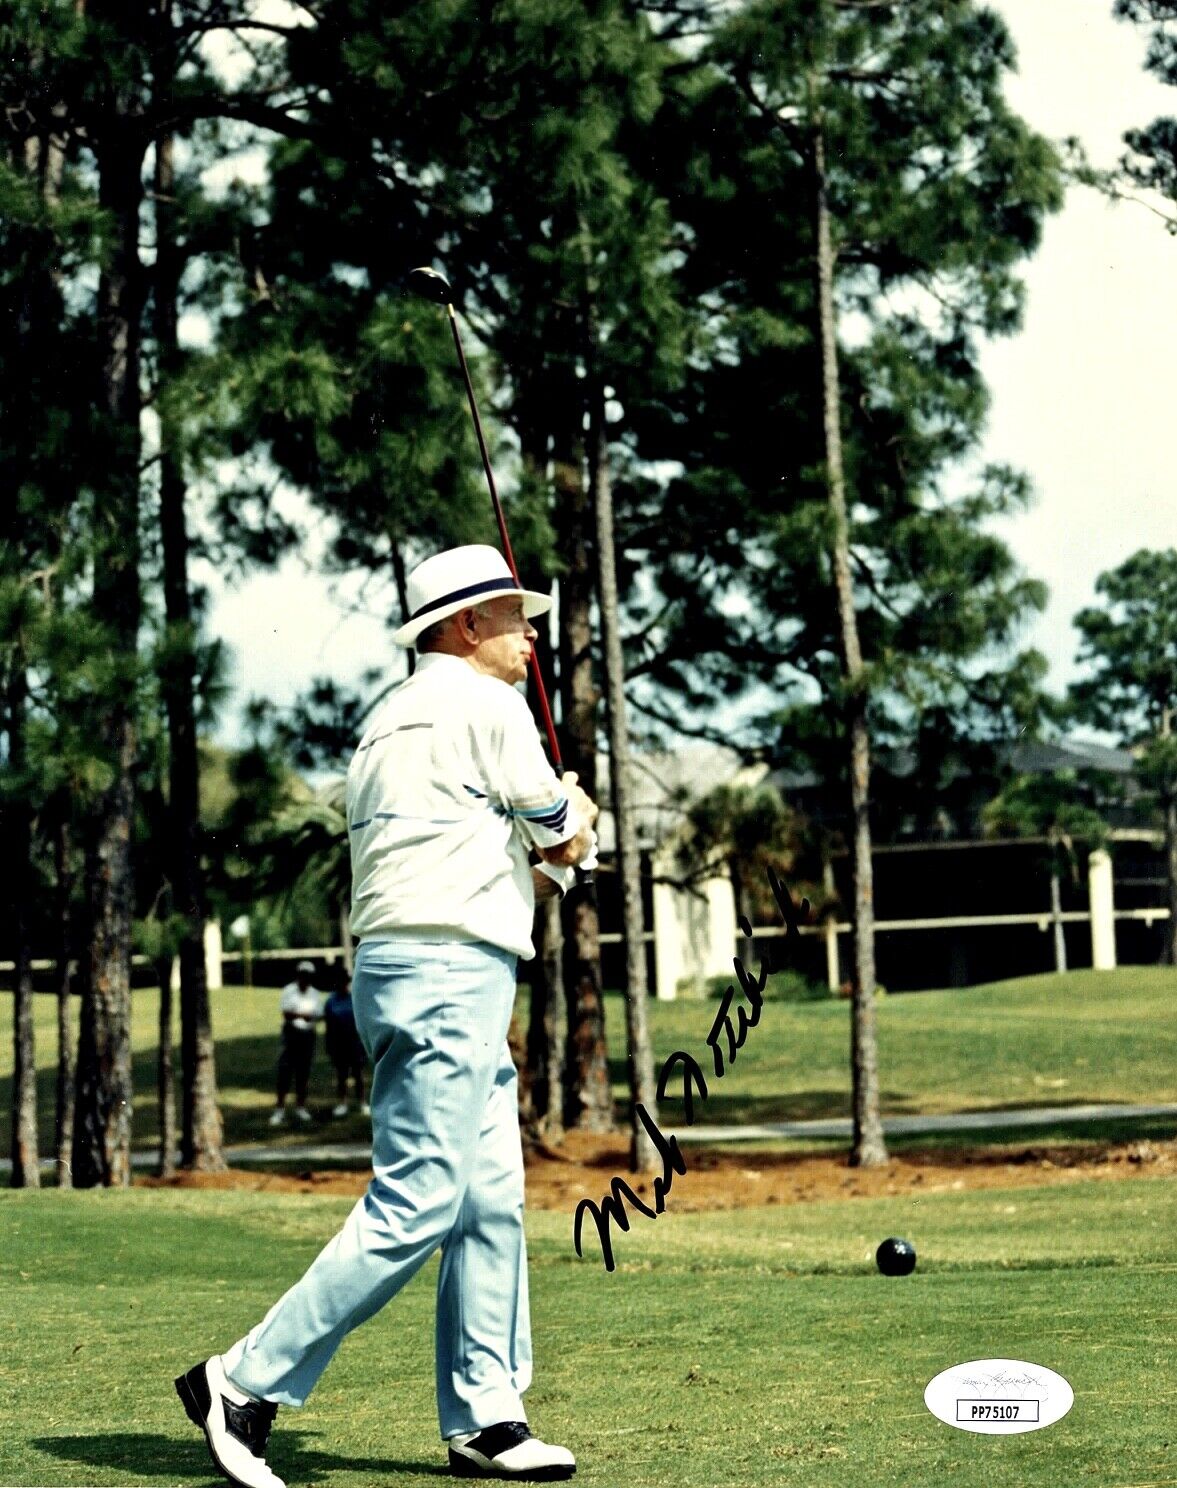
250 109
1115 192
876 4
867 577
206 27
709 734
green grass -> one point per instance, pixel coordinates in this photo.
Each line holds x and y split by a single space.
756 1347
1037 1041
1040 1041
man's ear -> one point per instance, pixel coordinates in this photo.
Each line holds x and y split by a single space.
468 625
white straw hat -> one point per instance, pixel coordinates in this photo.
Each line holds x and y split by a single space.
455 580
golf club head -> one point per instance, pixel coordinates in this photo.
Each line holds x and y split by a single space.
430 285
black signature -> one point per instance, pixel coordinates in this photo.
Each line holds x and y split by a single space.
733 1035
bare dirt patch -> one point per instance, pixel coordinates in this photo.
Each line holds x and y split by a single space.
583 1165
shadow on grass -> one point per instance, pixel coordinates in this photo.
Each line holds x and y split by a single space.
723 1108
1077 1134
150 1455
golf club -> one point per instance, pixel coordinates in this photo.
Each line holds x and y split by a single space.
431 285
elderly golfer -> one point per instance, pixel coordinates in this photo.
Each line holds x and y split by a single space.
447 795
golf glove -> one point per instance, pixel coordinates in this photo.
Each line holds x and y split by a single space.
563 878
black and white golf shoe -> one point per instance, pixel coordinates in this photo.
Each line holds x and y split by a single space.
236 1427
509 1450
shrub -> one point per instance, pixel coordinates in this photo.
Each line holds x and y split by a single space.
784 986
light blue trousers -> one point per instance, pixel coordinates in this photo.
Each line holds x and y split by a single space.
447 1171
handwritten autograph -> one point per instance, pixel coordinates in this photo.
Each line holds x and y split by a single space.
734 1034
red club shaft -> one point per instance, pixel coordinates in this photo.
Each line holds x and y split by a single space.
541 691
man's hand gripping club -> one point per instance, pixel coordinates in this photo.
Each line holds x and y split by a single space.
579 852
575 852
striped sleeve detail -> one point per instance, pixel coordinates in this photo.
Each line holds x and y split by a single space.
553 817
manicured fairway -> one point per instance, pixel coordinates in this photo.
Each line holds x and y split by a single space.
744 1348
1039 1041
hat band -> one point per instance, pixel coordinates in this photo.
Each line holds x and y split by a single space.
488 586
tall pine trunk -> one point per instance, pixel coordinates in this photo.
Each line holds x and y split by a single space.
26 1168
868 1148
401 579
42 158
165 1086
643 1089
588 1098
547 1029
1056 915
202 1131
63 1126
102 1129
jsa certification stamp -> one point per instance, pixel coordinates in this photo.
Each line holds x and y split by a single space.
999 1397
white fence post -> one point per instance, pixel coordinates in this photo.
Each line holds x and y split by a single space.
694 935
213 947
1101 895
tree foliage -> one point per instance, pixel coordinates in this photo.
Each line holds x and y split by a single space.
1151 160
1129 651
937 191
616 191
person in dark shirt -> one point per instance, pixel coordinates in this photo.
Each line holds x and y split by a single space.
344 1048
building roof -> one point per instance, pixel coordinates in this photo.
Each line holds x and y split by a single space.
1037 758
665 785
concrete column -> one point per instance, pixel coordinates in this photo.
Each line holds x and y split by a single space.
668 959
213 946
694 935
1101 896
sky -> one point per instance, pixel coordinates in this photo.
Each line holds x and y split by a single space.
1082 398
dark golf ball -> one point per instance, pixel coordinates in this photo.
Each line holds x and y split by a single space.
895 1257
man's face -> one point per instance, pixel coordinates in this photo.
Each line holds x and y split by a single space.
504 639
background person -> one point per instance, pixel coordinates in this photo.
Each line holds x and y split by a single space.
447 794
301 1006
344 1049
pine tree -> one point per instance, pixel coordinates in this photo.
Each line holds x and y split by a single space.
1129 648
522 201
1151 158
883 126
98 86
39 236
200 1122
575 282
1052 807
